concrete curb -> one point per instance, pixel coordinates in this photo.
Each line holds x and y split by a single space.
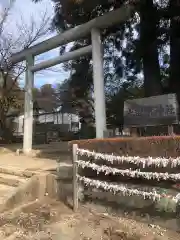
18 172
40 185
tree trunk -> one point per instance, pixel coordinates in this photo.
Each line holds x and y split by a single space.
148 41
174 79
6 130
79 86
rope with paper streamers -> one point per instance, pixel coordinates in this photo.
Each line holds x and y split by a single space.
144 162
128 172
114 188
137 173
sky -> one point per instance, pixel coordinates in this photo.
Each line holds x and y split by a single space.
24 10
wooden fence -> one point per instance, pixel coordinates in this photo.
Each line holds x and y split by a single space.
107 167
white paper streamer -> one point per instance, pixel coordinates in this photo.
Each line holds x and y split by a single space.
145 162
114 188
128 172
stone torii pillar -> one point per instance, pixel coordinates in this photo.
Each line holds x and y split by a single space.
98 79
28 106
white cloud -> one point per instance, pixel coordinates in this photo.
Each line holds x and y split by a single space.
27 8
1 13
4 3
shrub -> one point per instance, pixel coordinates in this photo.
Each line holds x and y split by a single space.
156 146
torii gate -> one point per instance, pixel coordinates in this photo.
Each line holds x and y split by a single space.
92 27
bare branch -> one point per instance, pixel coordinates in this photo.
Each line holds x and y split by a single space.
25 34
5 14
30 32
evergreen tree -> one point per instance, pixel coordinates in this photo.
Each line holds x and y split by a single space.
139 46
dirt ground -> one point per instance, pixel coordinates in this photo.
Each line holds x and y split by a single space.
47 219
52 220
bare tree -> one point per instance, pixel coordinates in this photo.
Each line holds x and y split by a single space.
25 35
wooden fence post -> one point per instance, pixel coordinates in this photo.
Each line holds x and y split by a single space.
75 179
